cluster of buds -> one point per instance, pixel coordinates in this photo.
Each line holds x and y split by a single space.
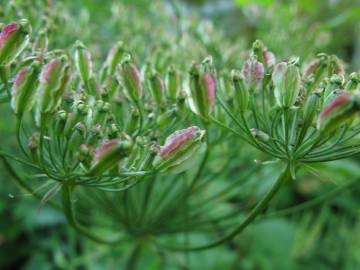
91 126
293 115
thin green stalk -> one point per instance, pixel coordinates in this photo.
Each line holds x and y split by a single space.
67 205
263 203
134 257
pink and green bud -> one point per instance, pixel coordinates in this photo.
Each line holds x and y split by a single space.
157 87
337 113
53 80
241 92
24 88
131 80
286 79
13 40
179 150
253 74
83 61
108 155
173 83
260 51
202 88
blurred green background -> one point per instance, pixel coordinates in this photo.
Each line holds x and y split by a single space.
325 236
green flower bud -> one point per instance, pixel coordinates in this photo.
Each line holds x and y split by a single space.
241 92
258 134
13 40
286 79
334 83
114 57
353 82
311 107
108 155
201 88
179 150
130 78
337 112
173 83
83 61
157 87
24 88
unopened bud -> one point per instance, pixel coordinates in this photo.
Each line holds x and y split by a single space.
286 79
337 112
51 81
202 88
13 40
83 61
24 88
131 79
258 134
241 92
253 73
157 87
353 82
310 108
173 83
108 155
114 57
179 150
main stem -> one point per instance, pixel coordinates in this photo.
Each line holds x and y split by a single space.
134 257
262 204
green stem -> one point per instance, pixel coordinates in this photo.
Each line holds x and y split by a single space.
134 257
70 216
262 204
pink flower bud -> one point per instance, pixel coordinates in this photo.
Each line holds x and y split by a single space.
209 85
13 40
337 112
174 141
253 73
131 79
269 58
179 150
7 31
108 155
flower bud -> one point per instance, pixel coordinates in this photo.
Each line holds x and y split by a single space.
24 88
83 61
310 108
33 146
335 82
108 155
179 150
114 57
52 81
157 87
286 79
353 82
241 92
337 112
260 51
202 88
258 134
13 40
131 80
173 83
253 74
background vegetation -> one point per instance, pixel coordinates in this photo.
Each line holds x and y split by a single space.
325 235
